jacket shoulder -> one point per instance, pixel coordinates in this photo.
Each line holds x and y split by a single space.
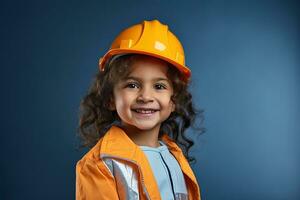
91 163
93 178
92 156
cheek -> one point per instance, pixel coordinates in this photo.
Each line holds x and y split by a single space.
123 99
120 102
167 102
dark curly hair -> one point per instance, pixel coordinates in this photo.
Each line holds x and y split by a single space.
96 117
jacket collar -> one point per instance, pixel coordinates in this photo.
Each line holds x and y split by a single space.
117 144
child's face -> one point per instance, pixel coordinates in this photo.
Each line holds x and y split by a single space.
143 98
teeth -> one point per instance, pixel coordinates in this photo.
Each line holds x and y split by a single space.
145 111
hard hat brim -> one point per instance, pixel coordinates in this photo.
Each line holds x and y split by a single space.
183 69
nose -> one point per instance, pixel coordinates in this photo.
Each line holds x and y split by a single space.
145 95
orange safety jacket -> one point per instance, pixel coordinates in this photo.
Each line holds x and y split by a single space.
95 180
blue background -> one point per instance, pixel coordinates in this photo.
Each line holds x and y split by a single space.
244 57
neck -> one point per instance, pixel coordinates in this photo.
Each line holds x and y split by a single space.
142 137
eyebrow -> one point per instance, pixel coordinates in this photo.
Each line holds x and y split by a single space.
140 80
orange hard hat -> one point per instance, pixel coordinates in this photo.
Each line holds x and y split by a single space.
149 38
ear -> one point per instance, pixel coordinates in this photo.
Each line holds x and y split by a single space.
173 106
111 104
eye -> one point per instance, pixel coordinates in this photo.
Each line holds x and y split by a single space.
132 85
160 86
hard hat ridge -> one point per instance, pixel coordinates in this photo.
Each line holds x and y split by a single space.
149 38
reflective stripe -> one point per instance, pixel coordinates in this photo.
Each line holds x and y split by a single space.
126 177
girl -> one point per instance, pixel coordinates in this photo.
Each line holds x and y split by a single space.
134 117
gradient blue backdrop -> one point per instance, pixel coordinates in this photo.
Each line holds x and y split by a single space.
244 57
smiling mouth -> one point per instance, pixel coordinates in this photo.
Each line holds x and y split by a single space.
144 111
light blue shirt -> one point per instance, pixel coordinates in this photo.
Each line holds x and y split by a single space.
166 170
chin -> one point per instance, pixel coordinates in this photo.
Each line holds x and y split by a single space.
145 126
